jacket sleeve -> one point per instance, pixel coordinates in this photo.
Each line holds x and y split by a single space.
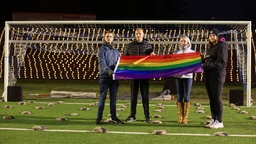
149 49
126 50
102 61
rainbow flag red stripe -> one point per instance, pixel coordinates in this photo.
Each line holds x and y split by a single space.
148 67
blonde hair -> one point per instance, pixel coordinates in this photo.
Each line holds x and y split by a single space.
188 40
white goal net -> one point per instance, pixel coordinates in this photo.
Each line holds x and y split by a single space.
68 49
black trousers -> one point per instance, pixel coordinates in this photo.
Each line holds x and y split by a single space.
143 86
214 82
169 83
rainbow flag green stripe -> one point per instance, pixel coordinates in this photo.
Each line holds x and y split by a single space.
147 67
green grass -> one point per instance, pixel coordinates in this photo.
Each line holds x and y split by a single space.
44 87
234 122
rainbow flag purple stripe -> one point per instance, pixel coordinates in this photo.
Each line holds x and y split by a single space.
148 67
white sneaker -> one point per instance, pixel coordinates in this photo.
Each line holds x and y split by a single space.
217 125
210 123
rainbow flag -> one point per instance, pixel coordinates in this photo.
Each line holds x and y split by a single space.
148 67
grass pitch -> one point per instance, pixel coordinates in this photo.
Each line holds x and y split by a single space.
79 124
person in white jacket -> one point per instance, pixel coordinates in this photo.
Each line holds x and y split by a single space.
183 84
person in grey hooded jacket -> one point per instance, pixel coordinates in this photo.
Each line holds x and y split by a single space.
108 56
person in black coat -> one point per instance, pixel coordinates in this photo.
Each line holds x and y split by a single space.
139 46
214 67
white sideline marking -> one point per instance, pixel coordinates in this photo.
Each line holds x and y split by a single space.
120 132
105 104
174 105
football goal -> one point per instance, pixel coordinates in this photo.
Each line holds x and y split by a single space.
68 49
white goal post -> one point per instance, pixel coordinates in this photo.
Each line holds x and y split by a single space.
67 49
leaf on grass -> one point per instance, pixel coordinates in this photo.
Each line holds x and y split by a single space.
159 132
252 117
26 112
220 134
157 122
61 119
8 106
99 130
39 128
8 117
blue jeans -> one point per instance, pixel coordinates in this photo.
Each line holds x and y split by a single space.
183 87
105 85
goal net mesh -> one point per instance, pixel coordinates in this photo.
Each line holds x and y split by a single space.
68 50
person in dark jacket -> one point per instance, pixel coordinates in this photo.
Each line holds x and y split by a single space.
215 73
139 47
108 56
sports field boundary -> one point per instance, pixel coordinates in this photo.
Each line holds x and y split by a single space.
121 132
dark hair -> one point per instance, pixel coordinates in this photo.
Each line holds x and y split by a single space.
139 29
109 31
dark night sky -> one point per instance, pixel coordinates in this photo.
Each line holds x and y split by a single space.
222 9
137 9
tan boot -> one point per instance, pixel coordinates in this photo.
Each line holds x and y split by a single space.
180 111
186 112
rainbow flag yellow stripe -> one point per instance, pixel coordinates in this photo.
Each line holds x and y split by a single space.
148 67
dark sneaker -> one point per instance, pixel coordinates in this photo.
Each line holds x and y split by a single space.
147 120
165 92
98 121
118 121
131 119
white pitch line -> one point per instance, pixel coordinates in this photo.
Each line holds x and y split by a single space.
120 132
105 104
235 135
188 134
174 105
22 129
